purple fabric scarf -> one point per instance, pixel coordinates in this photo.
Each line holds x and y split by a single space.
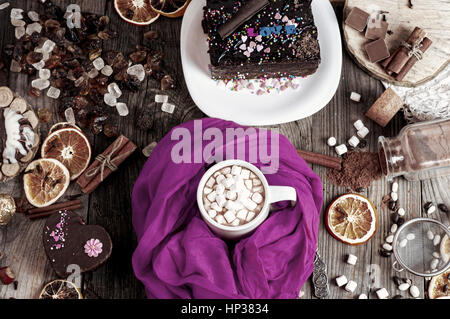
179 257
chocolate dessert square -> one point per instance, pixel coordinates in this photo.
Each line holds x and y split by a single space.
357 19
376 50
278 39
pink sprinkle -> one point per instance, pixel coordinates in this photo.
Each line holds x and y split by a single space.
259 47
267 50
285 19
259 38
278 16
247 54
252 44
243 47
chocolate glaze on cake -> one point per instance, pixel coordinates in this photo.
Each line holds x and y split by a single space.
278 41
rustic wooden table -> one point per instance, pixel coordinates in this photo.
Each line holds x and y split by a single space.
110 204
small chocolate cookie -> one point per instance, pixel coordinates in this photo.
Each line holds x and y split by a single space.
68 240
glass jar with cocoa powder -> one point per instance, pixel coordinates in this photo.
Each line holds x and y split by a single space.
420 151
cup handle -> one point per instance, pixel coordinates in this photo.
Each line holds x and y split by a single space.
282 193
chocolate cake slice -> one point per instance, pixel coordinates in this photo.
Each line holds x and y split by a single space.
277 40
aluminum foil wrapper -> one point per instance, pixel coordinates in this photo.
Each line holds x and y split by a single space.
7 209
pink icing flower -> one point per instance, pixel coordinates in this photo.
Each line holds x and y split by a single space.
93 247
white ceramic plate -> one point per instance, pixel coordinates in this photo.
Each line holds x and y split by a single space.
269 109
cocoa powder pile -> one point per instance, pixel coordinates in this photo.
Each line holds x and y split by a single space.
359 169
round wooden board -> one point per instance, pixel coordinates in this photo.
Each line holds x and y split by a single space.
430 15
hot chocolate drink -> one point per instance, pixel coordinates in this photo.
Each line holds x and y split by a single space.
233 196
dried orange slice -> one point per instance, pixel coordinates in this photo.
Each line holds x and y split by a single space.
69 146
352 218
445 249
62 125
60 289
170 8
439 286
45 181
137 12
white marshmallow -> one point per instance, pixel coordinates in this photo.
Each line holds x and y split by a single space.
220 189
238 205
242 214
228 175
362 133
331 141
351 259
253 175
258 189
250 216
236 170
220 178
256 182
342 280
401 211
245 174
226 170
236 222
351 286
229 216
257 198
211 196
210 182
212 213
249 204
355 96
207 190
220 219
248 184
230 205
231 195
353 141
216 207
382 293
228 182
243 194
221 200
358 125
341 149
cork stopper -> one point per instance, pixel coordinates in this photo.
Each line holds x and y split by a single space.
385 107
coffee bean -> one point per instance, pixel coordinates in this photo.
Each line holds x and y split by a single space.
445 288
400 221
385 253
397 297
427 205
394 218
443 208
362 144
392 205
398 281
361 190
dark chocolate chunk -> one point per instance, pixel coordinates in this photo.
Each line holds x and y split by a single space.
443 208
427 205
247 11
377 50
68 240
357 19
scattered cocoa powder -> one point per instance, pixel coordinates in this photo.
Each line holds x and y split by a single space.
359 169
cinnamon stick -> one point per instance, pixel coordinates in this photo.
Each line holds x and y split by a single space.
51 212
412 60
322 160
402 57
388 60
60 206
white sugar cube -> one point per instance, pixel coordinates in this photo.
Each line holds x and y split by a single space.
362 133
231 195
212 213
221 200
358 125
168 107
229 216
53 92
341 280
249 204
256 182
341 149
351 286
216 207
353 141
230 205
235 222
257 198
242 214
245 174
219 218
236 170
211 196
220 178
161 98
331 141
207 190
250 216
248 183
351 259
355 96
228 182
210 182
220 189
382 293
363 296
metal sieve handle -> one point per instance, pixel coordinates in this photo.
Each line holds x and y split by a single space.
394 266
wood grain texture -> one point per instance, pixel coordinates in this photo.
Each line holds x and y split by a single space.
110 205
430 15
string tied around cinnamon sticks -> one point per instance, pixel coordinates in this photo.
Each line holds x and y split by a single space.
414 50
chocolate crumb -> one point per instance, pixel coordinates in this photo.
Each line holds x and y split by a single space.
359 169
16 284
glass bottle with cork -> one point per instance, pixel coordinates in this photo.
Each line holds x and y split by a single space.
420 151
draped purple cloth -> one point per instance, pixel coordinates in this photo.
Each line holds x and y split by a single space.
178 256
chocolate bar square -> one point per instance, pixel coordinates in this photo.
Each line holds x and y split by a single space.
376 50
376 29
357 19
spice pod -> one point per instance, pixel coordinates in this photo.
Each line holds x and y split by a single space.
16 117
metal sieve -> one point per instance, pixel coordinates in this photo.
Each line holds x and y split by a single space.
417 247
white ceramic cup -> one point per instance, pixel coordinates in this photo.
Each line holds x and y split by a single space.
272 194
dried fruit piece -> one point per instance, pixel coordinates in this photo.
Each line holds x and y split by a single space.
7 210
61 125
45 181
70 147
7 276
6 96
60 289
44 114
436 288
137 12
170 8
19 105
10 170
